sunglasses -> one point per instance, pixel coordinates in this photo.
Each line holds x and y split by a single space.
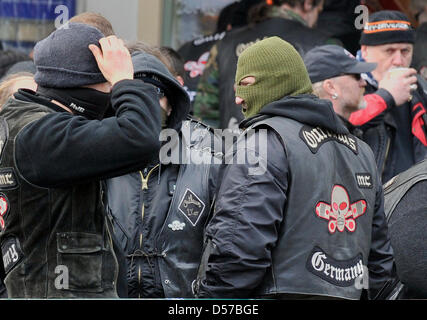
354 75
160 92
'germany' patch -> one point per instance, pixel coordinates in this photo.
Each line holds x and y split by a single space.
12 253
191 206
342 273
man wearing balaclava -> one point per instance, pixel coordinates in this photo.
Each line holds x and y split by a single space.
160 211
308 222
55 150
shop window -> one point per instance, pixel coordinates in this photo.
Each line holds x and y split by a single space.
186 20
24 22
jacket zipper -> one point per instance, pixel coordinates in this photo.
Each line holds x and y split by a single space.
144 186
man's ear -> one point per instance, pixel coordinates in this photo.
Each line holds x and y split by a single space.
329 87
364 51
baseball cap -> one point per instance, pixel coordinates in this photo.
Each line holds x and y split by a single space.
329 61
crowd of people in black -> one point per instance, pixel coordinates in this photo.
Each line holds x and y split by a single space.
117 181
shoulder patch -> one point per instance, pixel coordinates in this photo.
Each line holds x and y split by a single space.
4 135
209 38
11 252
8 178
191 206
314 138
342 273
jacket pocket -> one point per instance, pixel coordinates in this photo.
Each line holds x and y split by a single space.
81 255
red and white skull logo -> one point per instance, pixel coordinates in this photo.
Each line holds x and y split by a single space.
340 213
196 68
3 210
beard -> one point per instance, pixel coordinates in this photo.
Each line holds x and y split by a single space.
362 103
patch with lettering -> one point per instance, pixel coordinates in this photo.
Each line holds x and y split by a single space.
8 178
314 138
242 46
364 180
191 206
341 214
4 135
4 209
342 273
11 252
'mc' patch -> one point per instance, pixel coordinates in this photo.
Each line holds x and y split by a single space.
364 180
7 179
191 206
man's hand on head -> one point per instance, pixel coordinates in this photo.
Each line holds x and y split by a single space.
114 60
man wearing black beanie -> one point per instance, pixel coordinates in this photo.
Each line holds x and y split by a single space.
55 151
394 126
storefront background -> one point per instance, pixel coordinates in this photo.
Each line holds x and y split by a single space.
157 22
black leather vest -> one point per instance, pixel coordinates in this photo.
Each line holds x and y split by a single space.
235 41
190 208
54 241
178 243
324 242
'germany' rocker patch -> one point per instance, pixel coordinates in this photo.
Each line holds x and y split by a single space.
11 252
341 273
191 206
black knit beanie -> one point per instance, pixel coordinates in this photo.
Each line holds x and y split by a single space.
64 60
387 26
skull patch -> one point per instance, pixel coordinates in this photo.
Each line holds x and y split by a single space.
341 214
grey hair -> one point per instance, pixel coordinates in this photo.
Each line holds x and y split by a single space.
318 89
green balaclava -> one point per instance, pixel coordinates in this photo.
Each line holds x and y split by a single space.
278 69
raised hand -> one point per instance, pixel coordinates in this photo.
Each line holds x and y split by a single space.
113 59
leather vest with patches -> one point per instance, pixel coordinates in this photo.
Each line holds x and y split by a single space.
54 241
191 205
324 240
233 44
196 55
178 243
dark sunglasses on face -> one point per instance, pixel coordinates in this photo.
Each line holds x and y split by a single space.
160 92
355 75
